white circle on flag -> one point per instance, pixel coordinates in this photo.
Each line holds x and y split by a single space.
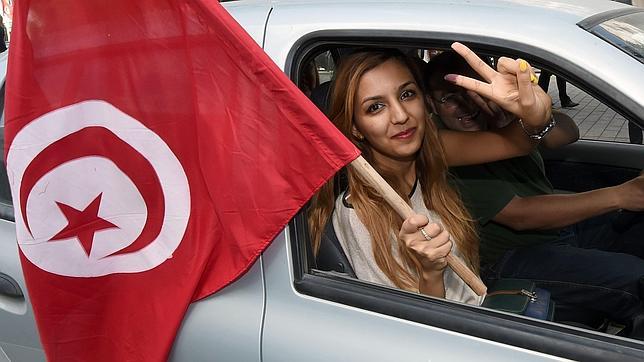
121 204
78 182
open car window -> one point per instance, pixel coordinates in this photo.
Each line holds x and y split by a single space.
333 277
596 120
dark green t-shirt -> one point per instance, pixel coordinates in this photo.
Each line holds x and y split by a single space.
486 189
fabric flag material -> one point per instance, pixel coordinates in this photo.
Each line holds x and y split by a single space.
154 151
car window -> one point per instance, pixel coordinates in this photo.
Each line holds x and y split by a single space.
325 66
315 76
626 32
595 120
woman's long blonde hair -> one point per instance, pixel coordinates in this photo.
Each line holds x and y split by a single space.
372 210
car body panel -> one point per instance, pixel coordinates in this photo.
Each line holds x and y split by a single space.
226 326
623 155
18 333
19 339
302 328
251 18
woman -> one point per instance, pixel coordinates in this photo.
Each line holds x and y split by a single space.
377 102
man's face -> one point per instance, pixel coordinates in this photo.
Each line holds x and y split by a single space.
457 110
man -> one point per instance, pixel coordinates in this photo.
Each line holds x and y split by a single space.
544 83
566 243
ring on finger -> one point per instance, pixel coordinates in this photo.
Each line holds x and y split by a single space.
425 235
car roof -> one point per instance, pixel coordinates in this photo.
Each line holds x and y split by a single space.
545 30
571 10
544 24
536 21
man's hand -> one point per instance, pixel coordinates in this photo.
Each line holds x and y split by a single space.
631 194
553 211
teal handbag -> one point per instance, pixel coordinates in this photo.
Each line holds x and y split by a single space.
520 296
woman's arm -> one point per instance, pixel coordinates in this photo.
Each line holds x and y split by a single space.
471 148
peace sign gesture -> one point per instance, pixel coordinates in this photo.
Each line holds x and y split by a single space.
510 87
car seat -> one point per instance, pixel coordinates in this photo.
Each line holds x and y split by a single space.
320 96
331 257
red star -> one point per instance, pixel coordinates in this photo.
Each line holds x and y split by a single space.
83 224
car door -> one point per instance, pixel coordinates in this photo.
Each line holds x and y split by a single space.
299 326
316 315
19 339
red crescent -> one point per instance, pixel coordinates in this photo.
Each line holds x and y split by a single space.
99 141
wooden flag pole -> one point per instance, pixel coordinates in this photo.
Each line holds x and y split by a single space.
404 210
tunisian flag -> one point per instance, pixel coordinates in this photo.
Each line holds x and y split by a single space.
154 151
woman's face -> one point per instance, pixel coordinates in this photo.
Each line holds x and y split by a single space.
389 112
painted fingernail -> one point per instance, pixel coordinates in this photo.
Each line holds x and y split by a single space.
450 78
523 65
534 79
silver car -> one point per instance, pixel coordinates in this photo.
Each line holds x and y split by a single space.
290 307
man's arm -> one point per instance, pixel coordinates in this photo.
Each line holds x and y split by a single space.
565 132
558 210
474 148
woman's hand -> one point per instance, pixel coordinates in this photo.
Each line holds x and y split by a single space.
513 87
431 253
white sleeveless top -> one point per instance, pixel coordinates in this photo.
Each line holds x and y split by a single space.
356 243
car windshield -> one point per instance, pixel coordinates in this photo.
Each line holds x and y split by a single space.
625 32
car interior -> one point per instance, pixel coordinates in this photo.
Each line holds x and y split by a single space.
591 163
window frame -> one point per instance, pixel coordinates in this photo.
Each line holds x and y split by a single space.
592 25
541 336
6 208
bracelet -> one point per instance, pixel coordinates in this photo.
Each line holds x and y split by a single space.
539 135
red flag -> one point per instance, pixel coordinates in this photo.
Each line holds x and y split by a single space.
154 152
